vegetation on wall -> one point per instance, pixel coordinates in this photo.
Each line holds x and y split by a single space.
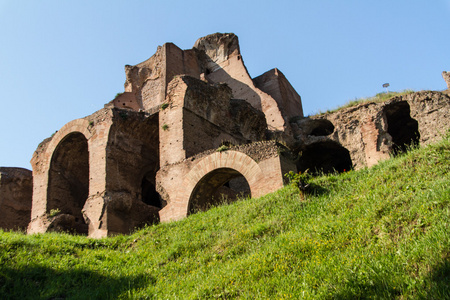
379 233
164 106
378 98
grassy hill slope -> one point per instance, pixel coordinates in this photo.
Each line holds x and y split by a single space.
376 233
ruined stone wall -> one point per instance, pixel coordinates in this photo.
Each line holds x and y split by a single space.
223 63
170 176
54 153
131 166
275 84
148 80
201 135
127 100
360 131
16 187
432 112
200 116
181 62
371 132
215 58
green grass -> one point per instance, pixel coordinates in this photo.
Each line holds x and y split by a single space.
378 98
378 233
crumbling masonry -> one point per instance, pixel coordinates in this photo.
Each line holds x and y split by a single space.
192 128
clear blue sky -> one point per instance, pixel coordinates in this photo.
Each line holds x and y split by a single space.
63 60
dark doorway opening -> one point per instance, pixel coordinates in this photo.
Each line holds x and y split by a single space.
222 185
149 194
324 157
68 186
321 128
403 129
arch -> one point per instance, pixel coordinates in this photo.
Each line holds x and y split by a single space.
326 157
218 186
79 125
221 167
68 184
315 127
403 129
42 220
321 127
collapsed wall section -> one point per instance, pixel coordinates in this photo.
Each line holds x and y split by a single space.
216 59
132 161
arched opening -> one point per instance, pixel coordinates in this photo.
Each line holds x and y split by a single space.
321 127
403 129
68 186
216 187
326 157
314 127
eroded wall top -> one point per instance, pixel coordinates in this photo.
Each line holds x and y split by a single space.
215 58
446 76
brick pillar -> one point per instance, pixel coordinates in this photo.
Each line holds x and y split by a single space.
94 208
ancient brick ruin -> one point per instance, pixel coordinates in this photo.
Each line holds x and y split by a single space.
16 188
193 128
362 135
